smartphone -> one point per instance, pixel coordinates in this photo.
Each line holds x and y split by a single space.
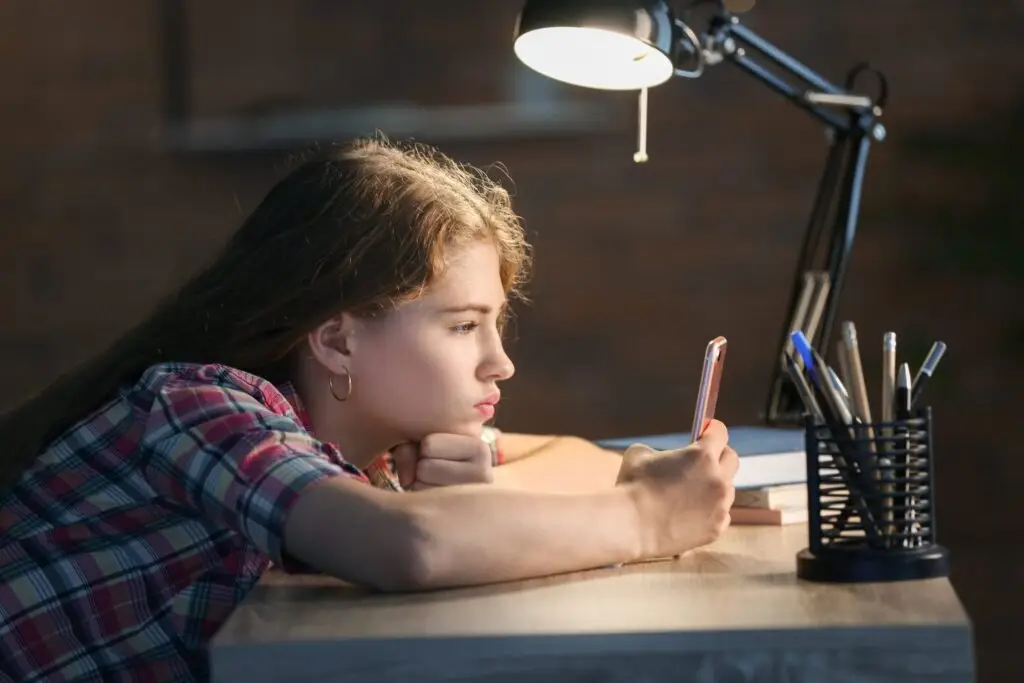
710 379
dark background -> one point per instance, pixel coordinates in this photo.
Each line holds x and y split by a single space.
104 208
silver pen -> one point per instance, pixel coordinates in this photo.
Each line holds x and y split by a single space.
888 377
905 457
924 373
885 462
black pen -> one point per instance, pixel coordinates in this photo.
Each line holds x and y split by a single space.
876 468
902 403
818 373
925 372
812 406
850 457
902 409
803 388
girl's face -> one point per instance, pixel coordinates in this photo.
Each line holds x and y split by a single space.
433 364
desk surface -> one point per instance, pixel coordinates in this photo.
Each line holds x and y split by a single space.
733 611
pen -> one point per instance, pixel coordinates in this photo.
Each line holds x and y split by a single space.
924 373
858 388
803 389
851 457
827 414
888 376
839 400
888 409
862 407
826 379
862 442
902 408
818 385
814 408
821 378
803 347
842 397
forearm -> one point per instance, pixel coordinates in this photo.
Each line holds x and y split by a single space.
482 534
457 536
515 446
561 464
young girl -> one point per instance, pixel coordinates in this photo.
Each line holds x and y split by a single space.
348 334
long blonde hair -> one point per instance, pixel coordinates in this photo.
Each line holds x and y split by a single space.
358 229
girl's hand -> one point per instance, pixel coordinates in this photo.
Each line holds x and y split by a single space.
443 460
682 496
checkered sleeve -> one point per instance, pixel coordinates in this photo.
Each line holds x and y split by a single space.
225 455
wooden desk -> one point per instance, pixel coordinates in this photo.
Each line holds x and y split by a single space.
733 611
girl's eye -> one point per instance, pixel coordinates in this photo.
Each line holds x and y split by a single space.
465 328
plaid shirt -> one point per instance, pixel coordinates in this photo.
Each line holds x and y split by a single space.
134 535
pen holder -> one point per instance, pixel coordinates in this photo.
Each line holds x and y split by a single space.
871 503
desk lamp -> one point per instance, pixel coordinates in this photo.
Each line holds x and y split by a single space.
636 45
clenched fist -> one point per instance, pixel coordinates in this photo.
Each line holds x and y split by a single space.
443 460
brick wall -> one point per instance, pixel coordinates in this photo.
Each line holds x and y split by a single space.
637 266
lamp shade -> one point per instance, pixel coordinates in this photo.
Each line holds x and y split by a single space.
603 44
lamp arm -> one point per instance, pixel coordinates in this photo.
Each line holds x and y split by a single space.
727 39
852 125
833 218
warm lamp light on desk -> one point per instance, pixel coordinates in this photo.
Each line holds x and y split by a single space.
636 45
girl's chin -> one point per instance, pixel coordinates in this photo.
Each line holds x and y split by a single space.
471 427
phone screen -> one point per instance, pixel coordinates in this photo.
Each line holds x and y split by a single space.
711 378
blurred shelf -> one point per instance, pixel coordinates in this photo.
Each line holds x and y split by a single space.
288 131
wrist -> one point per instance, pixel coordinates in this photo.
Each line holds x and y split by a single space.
638 543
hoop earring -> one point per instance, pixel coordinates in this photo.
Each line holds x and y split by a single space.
348 388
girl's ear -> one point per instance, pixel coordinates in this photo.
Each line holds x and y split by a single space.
333 341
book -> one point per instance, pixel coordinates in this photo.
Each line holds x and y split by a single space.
769 456
768 517
772 497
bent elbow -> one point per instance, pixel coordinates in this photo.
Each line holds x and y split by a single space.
414 564
390 542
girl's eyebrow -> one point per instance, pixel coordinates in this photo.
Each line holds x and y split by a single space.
483 309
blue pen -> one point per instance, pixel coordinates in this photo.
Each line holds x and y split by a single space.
847 453
803 347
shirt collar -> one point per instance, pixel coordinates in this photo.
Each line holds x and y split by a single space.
381 471
287 390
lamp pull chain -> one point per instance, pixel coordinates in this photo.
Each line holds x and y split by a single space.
641 154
